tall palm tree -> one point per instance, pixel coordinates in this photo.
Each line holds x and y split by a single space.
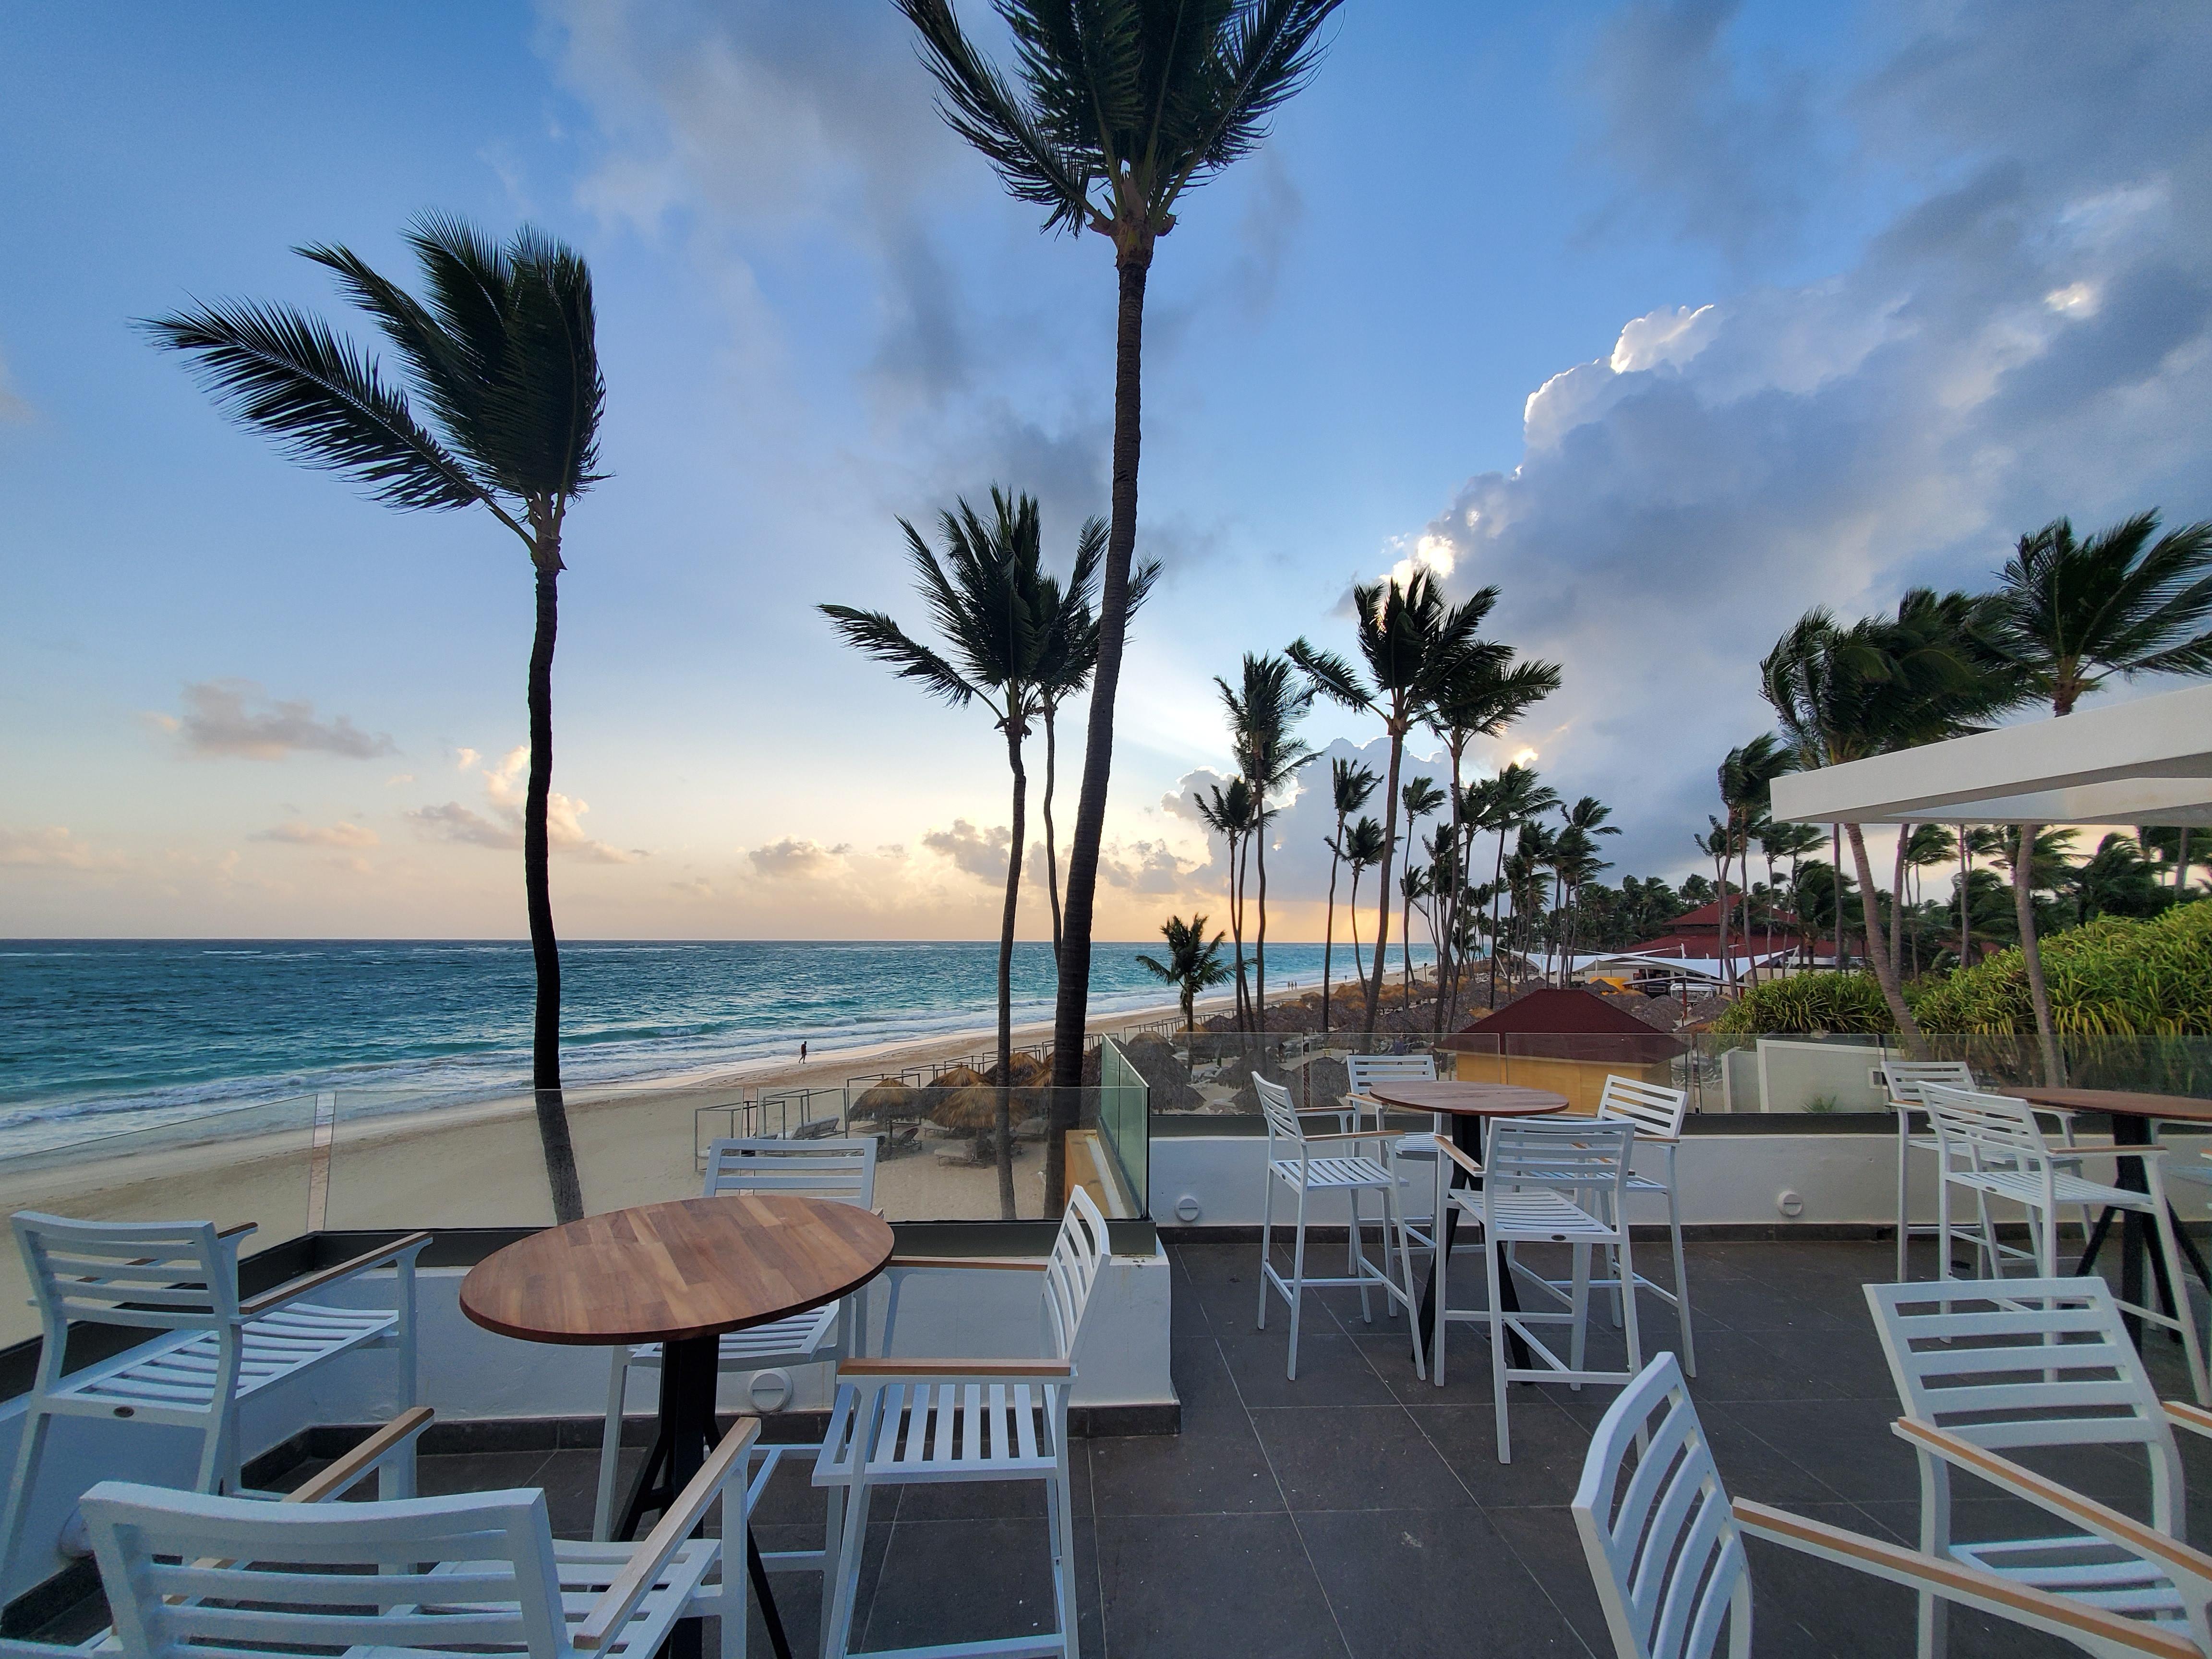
1520 800
1364 849
1927 846
2076 614
1747 782
1115 109
1230 814
988 596
1587 819
1192 964
1419 798
1350 785
501 357
1262 710
1409 638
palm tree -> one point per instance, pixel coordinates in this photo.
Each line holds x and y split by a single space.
1410 640
1926 846
2176 847
502 357
1363 849
1419 798
1261 712
1585 820
2076 614
1120 108
1192 964
1520 800
1350 785
1230 814
1746 783
989 597
1792 841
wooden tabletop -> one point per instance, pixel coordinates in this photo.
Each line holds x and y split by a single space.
2125 1102
1469 1099
666 1272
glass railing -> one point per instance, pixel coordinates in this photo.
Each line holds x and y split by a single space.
1125 1122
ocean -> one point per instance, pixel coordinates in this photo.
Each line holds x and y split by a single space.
98 1036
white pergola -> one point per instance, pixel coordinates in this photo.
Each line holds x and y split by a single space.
2147 762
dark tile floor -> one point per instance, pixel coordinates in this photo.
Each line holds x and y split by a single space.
1359 1512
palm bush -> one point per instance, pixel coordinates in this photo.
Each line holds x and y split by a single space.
2111 977
1813 1005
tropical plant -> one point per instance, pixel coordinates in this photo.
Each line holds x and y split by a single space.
1417 798
1120 109
1747 776
1576 861
2116 880
2111 977
1262 709
1350 783
501 357
1363 849
2177 848
1516 798
1921 846
2075 613
1232 815
989 597
1812 1004
1192 964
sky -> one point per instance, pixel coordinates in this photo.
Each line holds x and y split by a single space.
1670 320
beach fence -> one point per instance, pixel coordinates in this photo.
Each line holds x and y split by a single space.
781 1115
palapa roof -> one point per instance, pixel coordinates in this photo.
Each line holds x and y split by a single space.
1548 1021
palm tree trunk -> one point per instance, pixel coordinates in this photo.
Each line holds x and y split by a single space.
1073 1002
1406 925
2031 952
1965 918
1728 971
1328 929
1885 970
1382 879
1351 910
1496 882
1238 872
1051 848
1259 944
560 1151
1006 1110
1897 897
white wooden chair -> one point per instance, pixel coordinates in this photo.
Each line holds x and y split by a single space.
217 1348
842 1170
188 1574
1992 1147
1665 1546
1543 1181
1339 1163
1418 1147
900 1422
2033 1364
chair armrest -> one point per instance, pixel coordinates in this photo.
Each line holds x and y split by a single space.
2182 1415
1341 1114
268 1300
1018 1264
1351 1134
1451 1151
938 1369
1955 1581
618 1601
357 1464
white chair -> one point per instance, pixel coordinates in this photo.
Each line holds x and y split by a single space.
2037 1364
899 1422
1990 1146
843 1170
1330 1163
1363 1072
480 1573
217 1348
1542 1183
1665 1546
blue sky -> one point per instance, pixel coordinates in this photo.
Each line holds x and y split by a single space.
1671 319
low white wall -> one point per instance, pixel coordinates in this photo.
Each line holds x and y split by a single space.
467 1372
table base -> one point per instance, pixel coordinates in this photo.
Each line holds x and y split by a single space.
1467 1135
684 1436
2135 1234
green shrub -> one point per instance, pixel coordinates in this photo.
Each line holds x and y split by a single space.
2111 977
1810 1004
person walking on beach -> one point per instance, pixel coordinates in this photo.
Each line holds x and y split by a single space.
802 1054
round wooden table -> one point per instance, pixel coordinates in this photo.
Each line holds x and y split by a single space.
679 1274
2134 1114
1469 1105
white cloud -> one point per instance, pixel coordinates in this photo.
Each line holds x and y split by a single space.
793 856
454 822
236 717
505 793
297 833
980 852
55 847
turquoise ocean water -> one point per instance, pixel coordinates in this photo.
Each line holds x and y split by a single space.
102 1035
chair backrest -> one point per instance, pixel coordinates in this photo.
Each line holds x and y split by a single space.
292 1579
1071 1271
843 1170
1275 1102
1536 1151
167 1275
1905 1079
1364 1070
1654 1108
1656 1528
1993 1130
2032 1362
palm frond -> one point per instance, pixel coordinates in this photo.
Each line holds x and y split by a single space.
1271 50
540 421
876 634
1332 676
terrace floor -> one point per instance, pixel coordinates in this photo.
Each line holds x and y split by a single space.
1360 1512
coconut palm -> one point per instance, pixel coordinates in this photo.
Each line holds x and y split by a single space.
2115 880
2078 612
1192 966
1350 785
990 600
1519 799
1410 638
1926 847
1262 710
1363 849
1231 815
1114 111
1419 798
1747 782
1586 820
501 357
2175 849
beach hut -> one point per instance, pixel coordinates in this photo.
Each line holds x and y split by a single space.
1566 1041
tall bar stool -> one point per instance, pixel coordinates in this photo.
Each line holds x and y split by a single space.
1418 1149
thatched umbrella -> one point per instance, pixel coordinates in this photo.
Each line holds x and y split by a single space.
885 1100
972 1107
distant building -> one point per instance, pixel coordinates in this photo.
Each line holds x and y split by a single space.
1697 934
1566 1041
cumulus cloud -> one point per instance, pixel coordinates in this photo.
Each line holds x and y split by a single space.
2030 334
237 717
55 847
453 822
504 792
793 856
296 834
979 852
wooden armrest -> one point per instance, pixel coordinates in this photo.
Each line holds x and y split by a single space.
1450 1150
267 1300
1013 1370
1350 1134
361 1458
1018 1264
2182 1415
1955 1581
627 1588
235 1228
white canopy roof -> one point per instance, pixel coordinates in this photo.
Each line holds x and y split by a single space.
1630 962
2147 762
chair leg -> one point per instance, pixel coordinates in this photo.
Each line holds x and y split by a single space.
603 1508
1267 1242
1357 1266
28 1455
1393 1214
833 1538
1682 1276
1631 1331
1943 1226
1904 1209
1298 1286
1497 1347
1063 1559
216 1459
1440 1281
837 1633
1578 1341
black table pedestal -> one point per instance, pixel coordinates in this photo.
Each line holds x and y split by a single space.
1467 1135
689 1372
2128 1130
